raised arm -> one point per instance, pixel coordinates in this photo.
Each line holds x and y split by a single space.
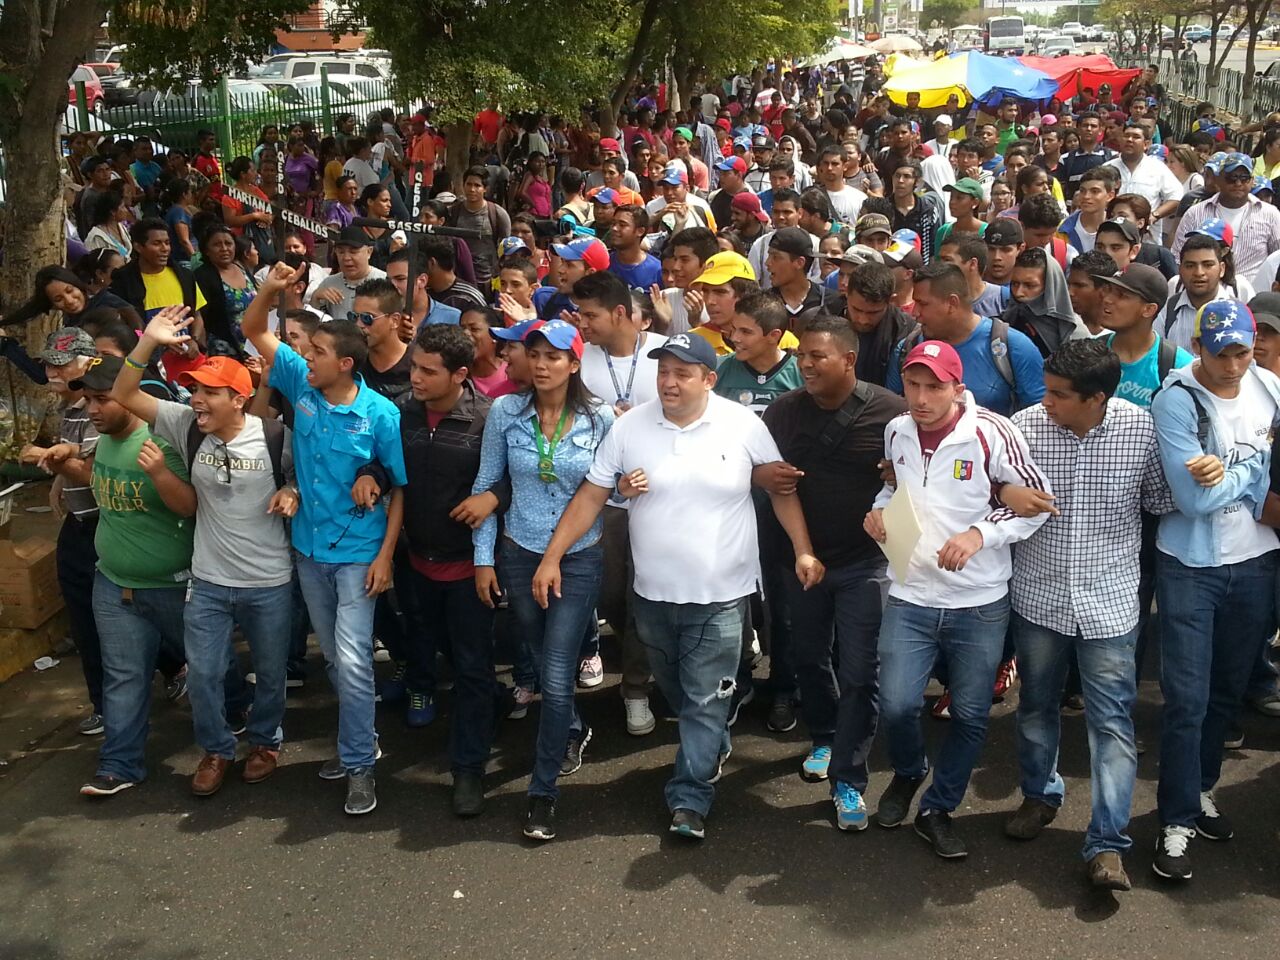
254 324
168 328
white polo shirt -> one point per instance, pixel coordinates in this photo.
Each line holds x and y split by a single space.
693 535
1153 180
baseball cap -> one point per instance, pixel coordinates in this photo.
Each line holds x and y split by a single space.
1236 161
558 333
909 237
939 357
1127 228
1261 183
1214 163
101 374
1266 310
65 344
605 195
944 119
724 124
509 245
514 332
220 372
1005 232
675 173
689 348
608 143
1222 323
587 249
684 133
793 241
762 141
856 255
748 202
1159 151
1147 282
353 237
742 143
1217 228
726 266
736 164
966 185
870 223
1048 120
92 163
900 253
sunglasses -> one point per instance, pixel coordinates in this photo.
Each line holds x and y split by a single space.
364 318
1239 178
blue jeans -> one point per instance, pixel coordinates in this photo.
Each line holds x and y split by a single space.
693 647
343 619
911 638
1211 622
554 636
840 704
464 626
264 614
133 627
1108 676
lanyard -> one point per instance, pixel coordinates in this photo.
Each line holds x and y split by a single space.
624 399
547 455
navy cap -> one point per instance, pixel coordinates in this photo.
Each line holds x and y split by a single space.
688 348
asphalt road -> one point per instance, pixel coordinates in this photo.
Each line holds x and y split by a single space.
277 870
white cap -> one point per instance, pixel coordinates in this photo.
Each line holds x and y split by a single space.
944 118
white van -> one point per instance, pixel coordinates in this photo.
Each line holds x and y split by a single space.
285 68
1073 29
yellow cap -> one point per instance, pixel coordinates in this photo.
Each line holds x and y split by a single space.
724 267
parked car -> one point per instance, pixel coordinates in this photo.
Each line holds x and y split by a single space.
103 70
287 68
1173 43
1197 34
1059 46
120 90
92 88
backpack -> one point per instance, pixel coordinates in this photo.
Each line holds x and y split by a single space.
1060 251
491 208
272 432
999 350
1202 417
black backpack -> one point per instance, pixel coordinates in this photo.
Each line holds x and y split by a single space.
273 432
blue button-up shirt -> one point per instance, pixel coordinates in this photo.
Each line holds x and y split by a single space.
330 443
441 313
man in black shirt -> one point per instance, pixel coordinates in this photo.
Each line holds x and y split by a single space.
879 324
831 435
439 260
376 310
788 260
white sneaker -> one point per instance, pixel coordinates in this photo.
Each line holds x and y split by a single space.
380 652
640 719
591 672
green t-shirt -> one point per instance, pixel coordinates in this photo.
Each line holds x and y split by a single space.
742 384
141 543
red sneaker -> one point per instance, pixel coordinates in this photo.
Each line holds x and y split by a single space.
1005 676
942 707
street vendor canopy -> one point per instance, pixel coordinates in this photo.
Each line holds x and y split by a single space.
1073 74
970 76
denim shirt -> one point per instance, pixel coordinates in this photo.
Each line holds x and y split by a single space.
509 448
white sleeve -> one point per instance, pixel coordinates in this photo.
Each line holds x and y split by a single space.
608 460
1010 463
761 447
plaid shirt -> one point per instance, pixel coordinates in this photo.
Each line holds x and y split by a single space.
1079 572
1257 235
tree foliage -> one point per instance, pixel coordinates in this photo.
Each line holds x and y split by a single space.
947 13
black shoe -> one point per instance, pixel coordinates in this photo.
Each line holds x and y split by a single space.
540 820
741 698
104 786
1234 739
782 715
238 722
935 826
1171 859
688 823
468 793
1211 824
572 761
895 802
361 798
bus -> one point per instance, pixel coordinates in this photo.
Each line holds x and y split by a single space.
1005 35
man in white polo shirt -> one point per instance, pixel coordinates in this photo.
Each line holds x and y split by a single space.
686 461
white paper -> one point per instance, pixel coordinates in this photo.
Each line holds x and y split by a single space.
902 533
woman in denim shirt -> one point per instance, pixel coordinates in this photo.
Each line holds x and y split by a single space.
545 439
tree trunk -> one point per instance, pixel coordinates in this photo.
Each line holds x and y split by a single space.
457 139
639 46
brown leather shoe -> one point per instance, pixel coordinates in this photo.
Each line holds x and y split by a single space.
1106 872
260 764
1032 817
209 776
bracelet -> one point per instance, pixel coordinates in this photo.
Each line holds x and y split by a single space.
130 362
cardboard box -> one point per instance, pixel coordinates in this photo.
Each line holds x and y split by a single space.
29 593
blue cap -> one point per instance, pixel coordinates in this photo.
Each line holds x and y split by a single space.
1234 161
558 333
1261 183
509 245
588 249
1214 163
605 195
514 333
1224 323
688 348
676 173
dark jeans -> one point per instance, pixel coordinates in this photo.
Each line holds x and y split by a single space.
777 570
77 561
299 628
398 622
1148 626
617 600
840 705
463 625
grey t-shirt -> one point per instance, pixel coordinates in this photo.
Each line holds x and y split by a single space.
237 543
484 252
336 281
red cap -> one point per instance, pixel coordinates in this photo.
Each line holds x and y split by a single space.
724 124
748 202
220 372
938 357
608 143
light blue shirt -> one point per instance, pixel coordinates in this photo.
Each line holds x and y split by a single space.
509 448
330 443
441 313
1140 380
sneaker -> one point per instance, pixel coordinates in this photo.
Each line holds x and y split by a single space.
814 768
935 826
572 761
754 653
521 697
720 762
1106 872
1171 860
1268 706
91 725
1073 703
105 786
361 798
176 688
468 794
895 802
1211 824
851 809
540 819
238 722
421 712
395 689
640 719
782 715
1032 817
334 770
941 709
380 652
688 824
1234 739
591 672
740 699
295 682
1005 675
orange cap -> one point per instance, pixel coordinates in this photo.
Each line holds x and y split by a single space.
220 372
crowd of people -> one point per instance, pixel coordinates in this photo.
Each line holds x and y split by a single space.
680 382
